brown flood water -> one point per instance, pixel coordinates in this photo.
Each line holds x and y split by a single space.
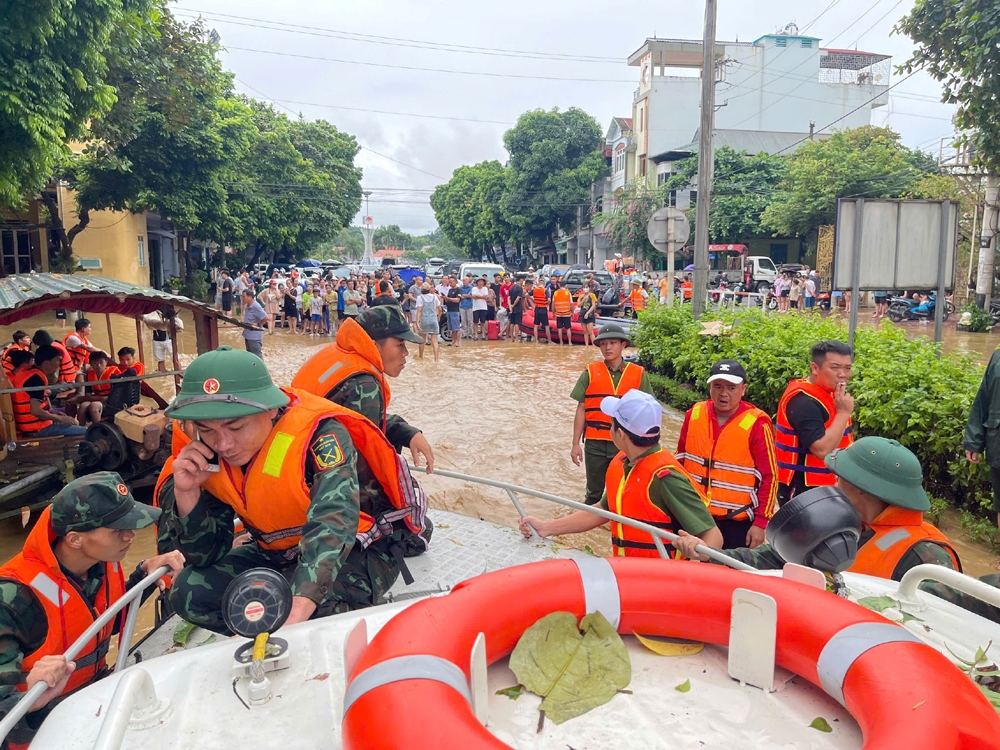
495 410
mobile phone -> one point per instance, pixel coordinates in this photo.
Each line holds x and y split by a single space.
213 462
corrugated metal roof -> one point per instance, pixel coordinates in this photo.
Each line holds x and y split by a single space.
25 295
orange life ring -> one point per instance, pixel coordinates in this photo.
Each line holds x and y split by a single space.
417 666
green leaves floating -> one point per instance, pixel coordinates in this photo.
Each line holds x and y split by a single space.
573 671
821 725
878 603
684 687
512 692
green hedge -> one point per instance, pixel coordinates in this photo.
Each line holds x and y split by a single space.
901 389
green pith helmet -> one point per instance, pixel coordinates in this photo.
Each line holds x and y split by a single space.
226 384
611 331
884 469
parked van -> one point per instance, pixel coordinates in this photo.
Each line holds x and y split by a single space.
434 266
475 270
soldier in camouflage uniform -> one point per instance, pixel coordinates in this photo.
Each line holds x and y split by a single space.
232 409
888 476
75 547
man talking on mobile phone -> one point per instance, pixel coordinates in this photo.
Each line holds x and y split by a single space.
814 419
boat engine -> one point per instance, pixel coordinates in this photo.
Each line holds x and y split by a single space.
128 443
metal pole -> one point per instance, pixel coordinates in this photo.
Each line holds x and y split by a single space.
859 212
29 698
706 158
973 243
111 338
591 253
987 243
942 269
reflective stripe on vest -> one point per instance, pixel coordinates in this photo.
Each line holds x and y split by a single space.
791 457
628 495
841 651
723 466
638 301
897 530
598 424
562 303
21 402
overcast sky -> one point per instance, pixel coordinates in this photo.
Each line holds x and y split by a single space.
406 156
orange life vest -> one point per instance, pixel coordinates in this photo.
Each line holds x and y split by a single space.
638 301
629 496
724 467
686 288
67 368
102 390
8 366
67 613
598 424
792 457
540 297
562 303
139 367
896 531
271 497
353 352
79 354
21 402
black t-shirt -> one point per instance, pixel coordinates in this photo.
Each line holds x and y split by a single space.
514 294
226 285
453 299
808 418
33 382
496 292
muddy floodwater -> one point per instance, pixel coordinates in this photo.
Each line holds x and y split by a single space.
491 409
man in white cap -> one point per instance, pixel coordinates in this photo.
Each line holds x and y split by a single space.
643 482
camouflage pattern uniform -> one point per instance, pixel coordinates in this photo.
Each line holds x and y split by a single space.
330 569
23 624
361 393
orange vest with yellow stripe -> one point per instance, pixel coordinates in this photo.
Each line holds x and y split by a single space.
353 352
791 456
629 496
21 402
67 613
598 424
562 303
271 496
638 301
897 530
724 467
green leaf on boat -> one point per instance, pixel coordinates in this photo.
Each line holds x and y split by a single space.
573 671
878 603
684 687
907 617
182 632
589 550
820 724
512 692
211 639
991 695
554 548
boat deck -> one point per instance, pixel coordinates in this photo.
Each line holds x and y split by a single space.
28 457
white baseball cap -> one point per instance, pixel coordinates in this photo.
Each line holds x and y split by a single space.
636 411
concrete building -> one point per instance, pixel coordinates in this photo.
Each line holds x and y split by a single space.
780 84
619 150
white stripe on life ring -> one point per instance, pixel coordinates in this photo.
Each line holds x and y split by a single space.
600 588
841 651
416 667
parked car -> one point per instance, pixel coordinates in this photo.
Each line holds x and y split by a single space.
451 268
434 267
475 270
574 280
552 268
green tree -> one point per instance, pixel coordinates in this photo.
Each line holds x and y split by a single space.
554 157
348 244
54 58
626 221
391 236
468 210
957 44
866 161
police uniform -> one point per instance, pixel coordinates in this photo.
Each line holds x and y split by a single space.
44 607
327 500
594 383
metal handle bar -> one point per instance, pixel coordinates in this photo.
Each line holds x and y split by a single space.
29 698
657 534
928 572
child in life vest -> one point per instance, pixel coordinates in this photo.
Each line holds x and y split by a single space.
92 407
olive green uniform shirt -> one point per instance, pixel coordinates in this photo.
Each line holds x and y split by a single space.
676 496
361 393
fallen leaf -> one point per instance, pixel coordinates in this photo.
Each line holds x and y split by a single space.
443 526
512 692
820 724
878 603
25 516
907 617
211 639
555 551
669 646
182 632
684 687
589 550
455 541
322 677
573 671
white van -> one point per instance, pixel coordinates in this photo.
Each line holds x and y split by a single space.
476 270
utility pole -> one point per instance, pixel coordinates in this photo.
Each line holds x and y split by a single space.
590 247
987 242
706 160
367 232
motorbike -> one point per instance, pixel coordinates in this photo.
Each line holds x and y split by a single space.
904 308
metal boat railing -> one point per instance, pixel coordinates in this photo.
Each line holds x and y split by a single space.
28 699
513 490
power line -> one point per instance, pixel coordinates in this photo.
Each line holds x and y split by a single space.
429 70
367 110
855 42
398 41
847 28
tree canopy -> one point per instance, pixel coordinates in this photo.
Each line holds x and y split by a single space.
957 43
54 59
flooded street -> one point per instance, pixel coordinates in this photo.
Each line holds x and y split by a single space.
495 410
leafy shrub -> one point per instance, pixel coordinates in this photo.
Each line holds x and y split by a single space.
980 321
902 390
671 392
196 287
